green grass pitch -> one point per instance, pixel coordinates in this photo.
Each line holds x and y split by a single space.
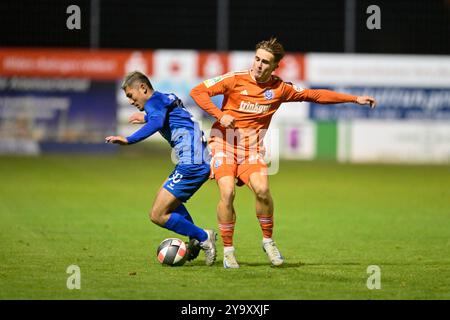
332 221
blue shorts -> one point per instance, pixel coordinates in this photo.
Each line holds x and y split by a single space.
186 179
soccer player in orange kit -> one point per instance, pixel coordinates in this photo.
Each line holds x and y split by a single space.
251 97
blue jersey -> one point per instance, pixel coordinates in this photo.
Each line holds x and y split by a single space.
166 113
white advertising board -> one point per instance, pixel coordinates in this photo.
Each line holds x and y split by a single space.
394 141
378 70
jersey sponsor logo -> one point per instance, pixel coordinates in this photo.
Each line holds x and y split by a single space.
254 107
268 94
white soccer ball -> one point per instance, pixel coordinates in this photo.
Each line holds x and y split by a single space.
172 251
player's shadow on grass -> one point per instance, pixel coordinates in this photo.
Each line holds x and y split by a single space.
268 264
283 266
331 263
248 264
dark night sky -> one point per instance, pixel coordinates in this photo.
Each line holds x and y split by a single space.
416 27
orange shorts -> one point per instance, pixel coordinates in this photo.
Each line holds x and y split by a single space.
227 164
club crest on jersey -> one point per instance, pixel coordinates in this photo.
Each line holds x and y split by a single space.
268 94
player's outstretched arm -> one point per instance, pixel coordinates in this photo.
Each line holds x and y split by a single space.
324 96
366 100
116 139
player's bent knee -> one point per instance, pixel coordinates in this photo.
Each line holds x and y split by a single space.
227 194
263 194
156 218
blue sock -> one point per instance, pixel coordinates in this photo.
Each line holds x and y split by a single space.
181 210
181 225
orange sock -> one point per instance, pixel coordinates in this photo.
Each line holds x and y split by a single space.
226 232
266 223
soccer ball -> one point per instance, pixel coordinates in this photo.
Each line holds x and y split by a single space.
172 251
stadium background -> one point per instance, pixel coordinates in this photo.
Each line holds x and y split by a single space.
60 96
404 64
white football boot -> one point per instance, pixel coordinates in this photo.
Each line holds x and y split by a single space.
209 246
229 259
273 253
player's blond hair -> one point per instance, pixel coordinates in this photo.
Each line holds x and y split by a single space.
272 46
133 77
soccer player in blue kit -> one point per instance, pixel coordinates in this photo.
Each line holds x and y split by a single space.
166 113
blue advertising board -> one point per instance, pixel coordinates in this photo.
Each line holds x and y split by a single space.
392 103
68 115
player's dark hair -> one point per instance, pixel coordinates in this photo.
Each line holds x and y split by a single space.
272 46
133 77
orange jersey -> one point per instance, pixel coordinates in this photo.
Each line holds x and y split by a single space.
252 103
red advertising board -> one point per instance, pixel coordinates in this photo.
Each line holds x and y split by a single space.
78 63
